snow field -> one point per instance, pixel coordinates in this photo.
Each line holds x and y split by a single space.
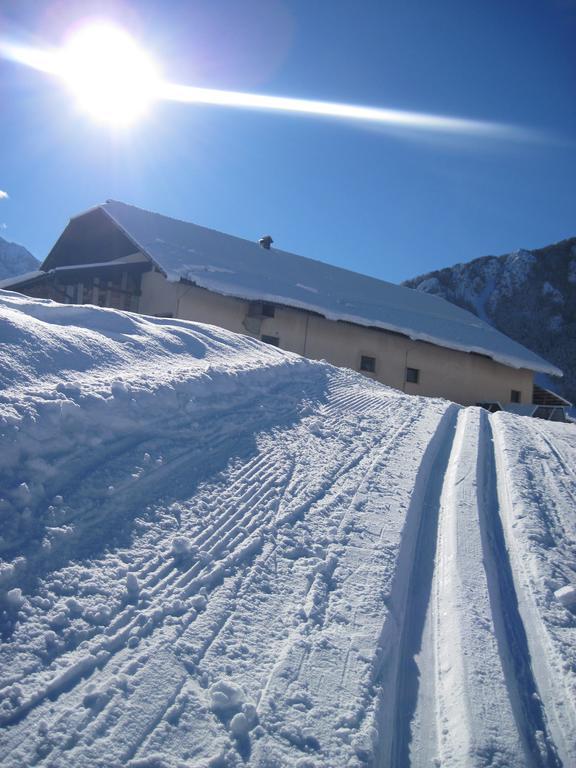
218 554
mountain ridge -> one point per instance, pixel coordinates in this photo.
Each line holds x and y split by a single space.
15 259
530 295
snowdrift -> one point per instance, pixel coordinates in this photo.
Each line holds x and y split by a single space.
215 553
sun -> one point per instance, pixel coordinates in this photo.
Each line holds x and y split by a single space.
110 75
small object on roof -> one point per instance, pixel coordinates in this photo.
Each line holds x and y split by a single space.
266 242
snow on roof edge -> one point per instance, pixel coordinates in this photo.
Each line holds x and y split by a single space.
510 361
538 364
24 277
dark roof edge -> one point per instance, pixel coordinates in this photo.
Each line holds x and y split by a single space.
126 234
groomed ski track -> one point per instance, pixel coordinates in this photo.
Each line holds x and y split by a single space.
306 569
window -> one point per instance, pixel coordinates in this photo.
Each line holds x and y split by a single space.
492 407
259 309
368 364
515 396
274 340
413 375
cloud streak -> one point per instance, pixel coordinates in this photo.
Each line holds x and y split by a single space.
4 195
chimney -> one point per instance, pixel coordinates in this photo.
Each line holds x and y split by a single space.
265 242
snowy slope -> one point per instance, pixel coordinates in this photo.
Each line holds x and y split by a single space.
215 553
15 260
528 295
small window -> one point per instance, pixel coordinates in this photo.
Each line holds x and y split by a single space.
368 364
515 396
260 309
274 340
412 375
492 407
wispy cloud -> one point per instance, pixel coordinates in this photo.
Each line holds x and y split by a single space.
3 195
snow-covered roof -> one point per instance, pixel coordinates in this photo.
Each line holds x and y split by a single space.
232 266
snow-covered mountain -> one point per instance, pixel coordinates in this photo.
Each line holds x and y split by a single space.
15 260
528 295
217 553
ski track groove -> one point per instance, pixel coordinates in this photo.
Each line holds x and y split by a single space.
417 598
517 663
534 557
419 684
567 470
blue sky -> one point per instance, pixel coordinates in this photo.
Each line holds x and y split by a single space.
388 203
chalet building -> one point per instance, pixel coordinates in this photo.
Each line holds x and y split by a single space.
117 255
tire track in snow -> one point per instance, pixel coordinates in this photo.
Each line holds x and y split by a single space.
279 511
94 723
186 583
211 424
355 400
116 641
205 632
216 629
128 619
135 494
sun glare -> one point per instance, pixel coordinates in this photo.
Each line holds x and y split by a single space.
116 81
111 77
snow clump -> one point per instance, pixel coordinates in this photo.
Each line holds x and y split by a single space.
15 598
132 586
226 696
180 546
239 725
567 596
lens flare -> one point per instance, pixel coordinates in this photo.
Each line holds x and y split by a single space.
392 117
115 80
110 76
